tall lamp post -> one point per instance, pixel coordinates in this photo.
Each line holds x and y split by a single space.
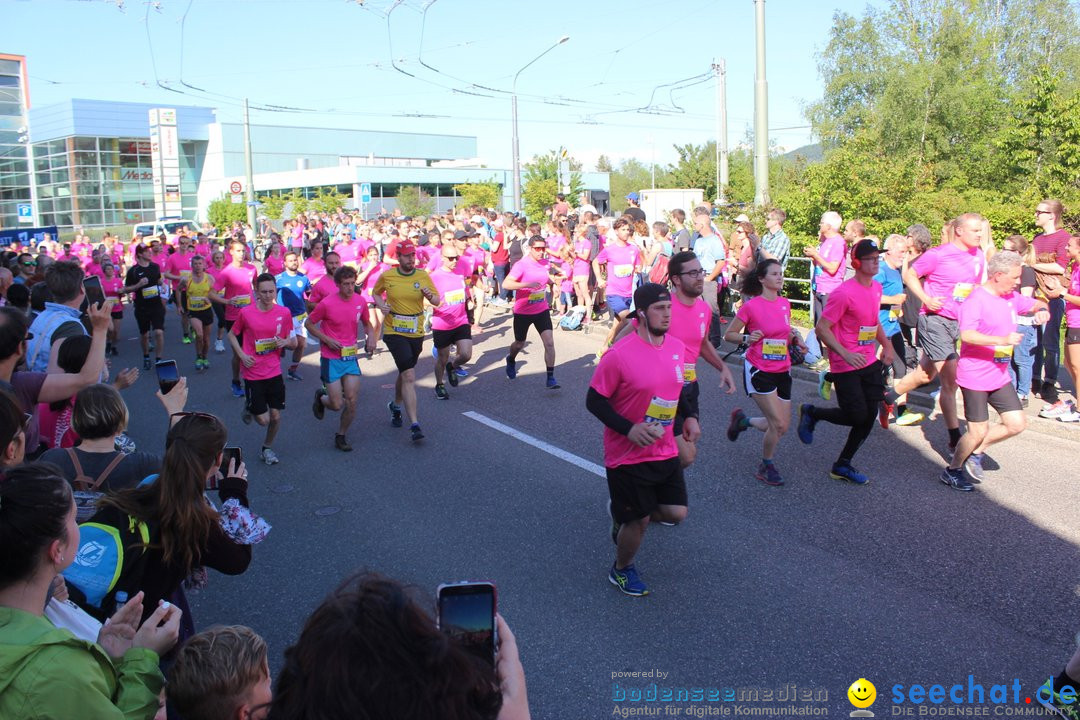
514 118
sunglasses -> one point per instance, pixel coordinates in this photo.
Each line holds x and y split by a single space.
451 257
542 248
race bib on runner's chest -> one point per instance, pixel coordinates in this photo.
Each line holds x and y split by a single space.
265 346
661 411
1003 354
150 292
454 297
241 300
348 351
537 297
867 334
406 324
622 271
689 372
961 291
198 303
774 349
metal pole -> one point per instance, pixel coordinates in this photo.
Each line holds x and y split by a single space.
720 68
514 122
761 113
250 182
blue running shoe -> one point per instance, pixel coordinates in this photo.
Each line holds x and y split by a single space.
974 467
461 372
552 383
237 389
956 480
628 581
806 424
824 387
736 425
769 475
395 414
848 473
511 368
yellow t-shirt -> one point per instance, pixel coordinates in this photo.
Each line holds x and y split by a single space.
405 300
198 292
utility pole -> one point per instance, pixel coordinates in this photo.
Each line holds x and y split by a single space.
250 181
720 68
761 113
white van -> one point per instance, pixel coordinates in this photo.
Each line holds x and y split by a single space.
169 225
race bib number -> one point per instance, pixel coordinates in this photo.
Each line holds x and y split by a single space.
150 292
661 411
241 300
689 372
622 271
538 296
405 324
1003 354
348 351
265 346
774 349
867 334
961 291
198 303
454 297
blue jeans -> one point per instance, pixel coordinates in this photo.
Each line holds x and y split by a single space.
500 275
1047 352
1023 360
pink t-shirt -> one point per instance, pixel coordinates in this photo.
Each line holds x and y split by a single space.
274 265
451 313
853 311
581 267
113 288
773 318
1072 312
529 300
339 319
203 249
950 272
314 269
478 258
986 367
178 264
643 383
371 279
690 323
322 289
257 330
236 282
93 268
832 249
348 252
620 261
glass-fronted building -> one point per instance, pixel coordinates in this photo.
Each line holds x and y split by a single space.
14 160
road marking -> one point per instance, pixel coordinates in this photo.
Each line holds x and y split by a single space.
539 444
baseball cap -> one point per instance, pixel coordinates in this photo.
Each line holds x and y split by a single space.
650 293
463 234
476 219
632 196
863 248
406 247
742 218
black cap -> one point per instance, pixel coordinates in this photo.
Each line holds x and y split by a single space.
650 293
863 248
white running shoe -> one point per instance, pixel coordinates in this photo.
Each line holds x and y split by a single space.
219 346
1072 417
1056 409
269 457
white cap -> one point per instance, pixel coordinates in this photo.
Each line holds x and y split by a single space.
742 218
476 219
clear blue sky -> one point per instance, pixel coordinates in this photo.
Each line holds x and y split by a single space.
335 58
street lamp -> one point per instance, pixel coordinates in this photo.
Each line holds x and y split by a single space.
514 119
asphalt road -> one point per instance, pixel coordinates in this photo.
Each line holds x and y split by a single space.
816 584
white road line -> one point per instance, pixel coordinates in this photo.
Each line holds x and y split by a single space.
539 444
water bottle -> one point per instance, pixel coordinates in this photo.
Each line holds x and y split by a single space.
121 599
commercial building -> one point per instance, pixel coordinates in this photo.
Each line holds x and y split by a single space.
15 188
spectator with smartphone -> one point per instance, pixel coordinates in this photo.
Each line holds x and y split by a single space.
371 650
61 317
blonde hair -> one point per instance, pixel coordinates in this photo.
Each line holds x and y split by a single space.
215 671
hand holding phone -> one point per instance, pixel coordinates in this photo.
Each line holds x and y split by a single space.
467 615
167 375
95 295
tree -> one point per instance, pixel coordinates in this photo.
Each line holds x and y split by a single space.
483 194
542 183
275 205
326 200
630 176
223 212
413 201
603 164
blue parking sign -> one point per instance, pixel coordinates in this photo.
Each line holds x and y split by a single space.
365 192
26 213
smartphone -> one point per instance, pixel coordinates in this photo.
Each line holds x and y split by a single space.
167 375
230 457
467 614
95 295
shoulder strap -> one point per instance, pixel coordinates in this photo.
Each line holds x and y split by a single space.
108 469
79 474
95 484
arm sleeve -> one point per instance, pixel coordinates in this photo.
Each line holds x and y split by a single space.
223 555
601 407
83 673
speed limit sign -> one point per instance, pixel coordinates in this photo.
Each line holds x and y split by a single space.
235 187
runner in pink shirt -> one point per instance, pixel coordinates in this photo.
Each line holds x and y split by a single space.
849 327
326 285
1071 298
113 287
213 269
232 288
347 249
367 275
313 265
274 260
635 393
763 323
580 272
987 321
450 322
337 322
622 262
177 270
529 278
257 335
477 281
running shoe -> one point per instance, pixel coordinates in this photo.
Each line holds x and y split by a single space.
628 581
974 468
146 364
614 525
819 365
219 346
461 372
885 409
293 375
417 433
910 418
552 383
848 473
735 427
768 474
186 339
1070 417
806 424
511 368
317 407
237 389
395 414
124 444
245 416
269 456
824 387
956 480
342 444
1056 409
440 392
1024 402
451 375
1054 702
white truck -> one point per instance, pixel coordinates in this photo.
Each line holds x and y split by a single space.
657 204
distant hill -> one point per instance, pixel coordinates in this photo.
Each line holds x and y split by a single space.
812 153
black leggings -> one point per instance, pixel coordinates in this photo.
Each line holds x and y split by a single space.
858 394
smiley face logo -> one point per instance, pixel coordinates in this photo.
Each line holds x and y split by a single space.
862 693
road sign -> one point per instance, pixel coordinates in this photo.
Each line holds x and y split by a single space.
235 187
365 192
26 213
237 198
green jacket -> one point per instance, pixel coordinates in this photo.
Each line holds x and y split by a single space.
48 673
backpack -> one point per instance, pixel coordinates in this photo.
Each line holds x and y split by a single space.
573 319
1049 277
659 272
85 488
112 557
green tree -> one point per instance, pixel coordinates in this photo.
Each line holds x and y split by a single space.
326 200
223 212
275 204
603 164
482 194
413 201
630 176
541 183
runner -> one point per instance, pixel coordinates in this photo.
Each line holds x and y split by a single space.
763 323
313 265
987 324
292 289
113 287
144 280
366 276
325 286
450 322
400 293
892 302
942 278
217 264
177 271
233 289
200 309
622 262
635 392
256 335
337 322
1071 296
529 277
849 328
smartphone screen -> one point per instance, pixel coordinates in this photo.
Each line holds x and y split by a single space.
167 375
94 294
230 457
467 615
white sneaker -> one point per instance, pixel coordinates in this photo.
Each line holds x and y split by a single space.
269 456
1056 409
219 346
1071 417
